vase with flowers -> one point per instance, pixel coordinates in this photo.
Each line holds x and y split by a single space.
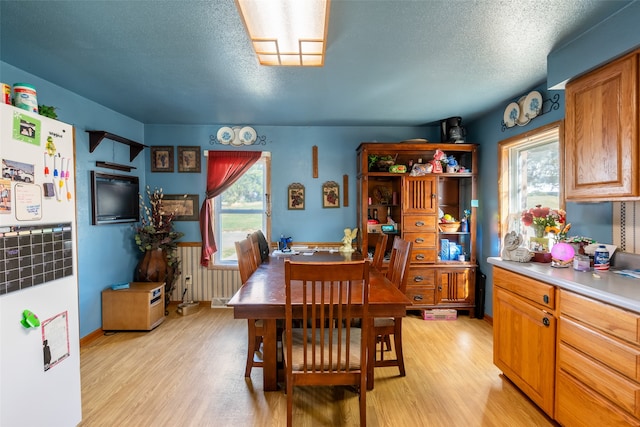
157 240
545 221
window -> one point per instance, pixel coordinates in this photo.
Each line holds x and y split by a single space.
242 209
530 174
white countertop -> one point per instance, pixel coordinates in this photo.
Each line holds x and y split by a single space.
610 287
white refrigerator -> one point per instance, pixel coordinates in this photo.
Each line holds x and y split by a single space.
39 332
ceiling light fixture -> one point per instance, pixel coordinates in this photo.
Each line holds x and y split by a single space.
287 32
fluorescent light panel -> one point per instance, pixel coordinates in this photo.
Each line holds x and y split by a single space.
287 32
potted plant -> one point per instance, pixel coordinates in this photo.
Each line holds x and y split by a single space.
157 240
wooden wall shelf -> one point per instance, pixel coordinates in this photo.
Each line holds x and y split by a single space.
96 137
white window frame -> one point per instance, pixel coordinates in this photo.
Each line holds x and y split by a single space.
216 209
509 207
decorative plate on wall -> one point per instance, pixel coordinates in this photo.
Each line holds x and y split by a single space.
247 135
225 135
511 114
532 104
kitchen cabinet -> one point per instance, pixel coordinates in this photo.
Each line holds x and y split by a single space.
443 262
524 334
601 133
598 365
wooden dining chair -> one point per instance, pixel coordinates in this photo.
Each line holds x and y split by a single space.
255 327
378 253
326 349
255 244
386 326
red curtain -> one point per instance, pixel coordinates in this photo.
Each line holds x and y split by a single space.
223 169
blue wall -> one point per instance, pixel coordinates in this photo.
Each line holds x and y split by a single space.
291 161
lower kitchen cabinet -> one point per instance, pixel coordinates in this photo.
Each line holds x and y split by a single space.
524 334
577 358
598 364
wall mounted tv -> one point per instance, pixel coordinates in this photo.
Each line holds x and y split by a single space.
114 198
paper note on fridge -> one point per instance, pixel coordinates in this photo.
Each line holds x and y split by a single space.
28 202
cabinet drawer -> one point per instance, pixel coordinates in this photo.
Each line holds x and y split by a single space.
540 293
419 223
421 295
425 256
598 377
422 277
615 321
421 240
618 356
578 405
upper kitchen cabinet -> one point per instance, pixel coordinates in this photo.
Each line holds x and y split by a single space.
601 133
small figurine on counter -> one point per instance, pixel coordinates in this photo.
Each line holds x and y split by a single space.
512 251
349 235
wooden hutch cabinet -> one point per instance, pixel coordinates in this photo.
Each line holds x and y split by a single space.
443 262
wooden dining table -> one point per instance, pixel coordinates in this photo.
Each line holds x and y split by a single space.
263 297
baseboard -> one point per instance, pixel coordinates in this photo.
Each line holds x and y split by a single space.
91 337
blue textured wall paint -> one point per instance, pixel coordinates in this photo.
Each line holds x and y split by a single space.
291 161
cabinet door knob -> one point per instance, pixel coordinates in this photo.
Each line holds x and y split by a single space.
420 257
439 288
433 195
545 299
545 321
419 240
418 279
417 298
419 224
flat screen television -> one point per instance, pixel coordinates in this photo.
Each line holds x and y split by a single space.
114 198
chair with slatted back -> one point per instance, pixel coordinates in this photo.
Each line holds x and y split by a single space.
386 326
326 349
378 253
255 330
256 247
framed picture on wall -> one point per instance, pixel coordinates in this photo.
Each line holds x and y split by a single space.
185 206
295 196
162 159
330 195
189 159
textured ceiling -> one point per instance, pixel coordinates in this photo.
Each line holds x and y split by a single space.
389 62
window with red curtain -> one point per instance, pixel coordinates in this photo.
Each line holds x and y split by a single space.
223 169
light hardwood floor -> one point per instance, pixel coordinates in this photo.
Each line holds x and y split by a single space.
189 372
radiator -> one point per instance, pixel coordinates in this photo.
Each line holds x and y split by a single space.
215 285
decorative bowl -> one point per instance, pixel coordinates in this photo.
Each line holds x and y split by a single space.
449 227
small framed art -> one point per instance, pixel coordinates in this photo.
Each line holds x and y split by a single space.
295 196
185 206
162 159
189 159
330 195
